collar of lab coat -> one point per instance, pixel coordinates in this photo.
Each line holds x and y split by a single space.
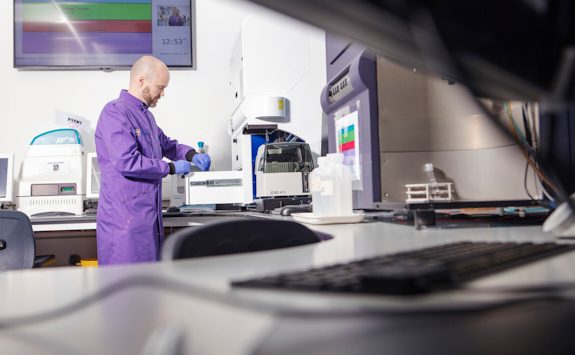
133 101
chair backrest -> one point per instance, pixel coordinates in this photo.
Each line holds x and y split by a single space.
17 239
235 236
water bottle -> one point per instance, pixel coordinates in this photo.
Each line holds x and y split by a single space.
336 190
316 187
201 150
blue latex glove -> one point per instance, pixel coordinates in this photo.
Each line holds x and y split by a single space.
202 161
182 166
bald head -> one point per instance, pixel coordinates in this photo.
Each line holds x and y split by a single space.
148 79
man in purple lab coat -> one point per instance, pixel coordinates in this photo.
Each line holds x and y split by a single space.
130 149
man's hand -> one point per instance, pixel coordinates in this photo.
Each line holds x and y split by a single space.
182 166
202 161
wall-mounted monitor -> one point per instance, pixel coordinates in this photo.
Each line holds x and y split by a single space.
103 34
6 177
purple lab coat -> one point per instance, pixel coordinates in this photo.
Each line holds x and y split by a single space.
130 148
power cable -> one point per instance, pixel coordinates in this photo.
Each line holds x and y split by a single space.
519 140
525 181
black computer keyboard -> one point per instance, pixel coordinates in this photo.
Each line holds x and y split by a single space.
413 272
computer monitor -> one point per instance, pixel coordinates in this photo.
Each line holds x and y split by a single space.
512 50
6 177
98 34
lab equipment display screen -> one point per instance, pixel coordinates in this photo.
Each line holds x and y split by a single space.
6 178
3 177
103 33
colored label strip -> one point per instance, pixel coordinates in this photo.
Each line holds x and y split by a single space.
45 42
344 138
348 128
349 159
93 1
86 26
55 12
347 146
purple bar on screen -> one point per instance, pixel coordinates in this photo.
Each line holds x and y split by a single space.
61 42
36 42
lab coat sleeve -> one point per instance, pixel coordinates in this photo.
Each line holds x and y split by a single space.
121 143
171 148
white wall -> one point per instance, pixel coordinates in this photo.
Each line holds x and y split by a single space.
194 109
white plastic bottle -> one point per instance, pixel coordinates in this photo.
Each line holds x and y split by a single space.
336 190
316 187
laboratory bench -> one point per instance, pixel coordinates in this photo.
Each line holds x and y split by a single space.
131 309
72 238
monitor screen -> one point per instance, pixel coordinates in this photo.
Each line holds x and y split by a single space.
93 177
103 34
6 178
3 176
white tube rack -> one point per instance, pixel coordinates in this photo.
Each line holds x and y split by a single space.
441 191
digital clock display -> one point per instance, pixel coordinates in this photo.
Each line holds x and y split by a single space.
173 40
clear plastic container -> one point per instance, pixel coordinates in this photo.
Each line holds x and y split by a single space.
335 195
316 186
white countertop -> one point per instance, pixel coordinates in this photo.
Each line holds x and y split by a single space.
195 294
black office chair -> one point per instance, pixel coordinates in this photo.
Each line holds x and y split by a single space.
236 236
17 245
